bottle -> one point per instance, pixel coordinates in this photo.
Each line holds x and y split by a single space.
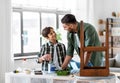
51 67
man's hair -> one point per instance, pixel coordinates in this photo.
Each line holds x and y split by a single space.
46 31
69 18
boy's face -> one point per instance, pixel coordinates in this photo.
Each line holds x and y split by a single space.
51 35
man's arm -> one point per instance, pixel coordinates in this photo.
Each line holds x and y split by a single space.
90 39
66 61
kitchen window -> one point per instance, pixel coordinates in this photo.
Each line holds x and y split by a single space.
27 26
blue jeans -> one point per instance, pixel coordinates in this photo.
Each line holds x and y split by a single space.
78 63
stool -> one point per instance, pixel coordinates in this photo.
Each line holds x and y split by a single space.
94 71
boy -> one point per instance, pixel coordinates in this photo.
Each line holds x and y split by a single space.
53 51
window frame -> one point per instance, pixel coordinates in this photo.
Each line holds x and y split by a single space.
38 10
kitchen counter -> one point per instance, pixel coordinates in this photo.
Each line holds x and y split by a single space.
11 77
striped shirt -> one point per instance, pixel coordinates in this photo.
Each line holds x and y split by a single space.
48 48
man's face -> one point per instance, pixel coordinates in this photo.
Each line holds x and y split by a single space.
68 27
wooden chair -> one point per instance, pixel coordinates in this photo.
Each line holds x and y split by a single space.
94 71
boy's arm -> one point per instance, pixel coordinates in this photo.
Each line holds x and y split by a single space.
40 58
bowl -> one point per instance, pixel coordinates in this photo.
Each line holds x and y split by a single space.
27 71
62 72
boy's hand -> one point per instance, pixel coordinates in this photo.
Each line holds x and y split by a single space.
46 57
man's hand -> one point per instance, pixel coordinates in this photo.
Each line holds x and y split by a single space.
66 61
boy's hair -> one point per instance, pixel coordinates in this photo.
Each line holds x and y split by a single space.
46 31
69 18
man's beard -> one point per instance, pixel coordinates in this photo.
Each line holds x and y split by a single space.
71 31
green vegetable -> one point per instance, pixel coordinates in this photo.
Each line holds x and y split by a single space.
63 72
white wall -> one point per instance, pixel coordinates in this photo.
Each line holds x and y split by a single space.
5 38
98 11
104 9
110 6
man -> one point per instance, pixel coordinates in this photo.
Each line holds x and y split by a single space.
73 36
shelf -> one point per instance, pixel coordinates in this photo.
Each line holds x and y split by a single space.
114 23
114 47
114 34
